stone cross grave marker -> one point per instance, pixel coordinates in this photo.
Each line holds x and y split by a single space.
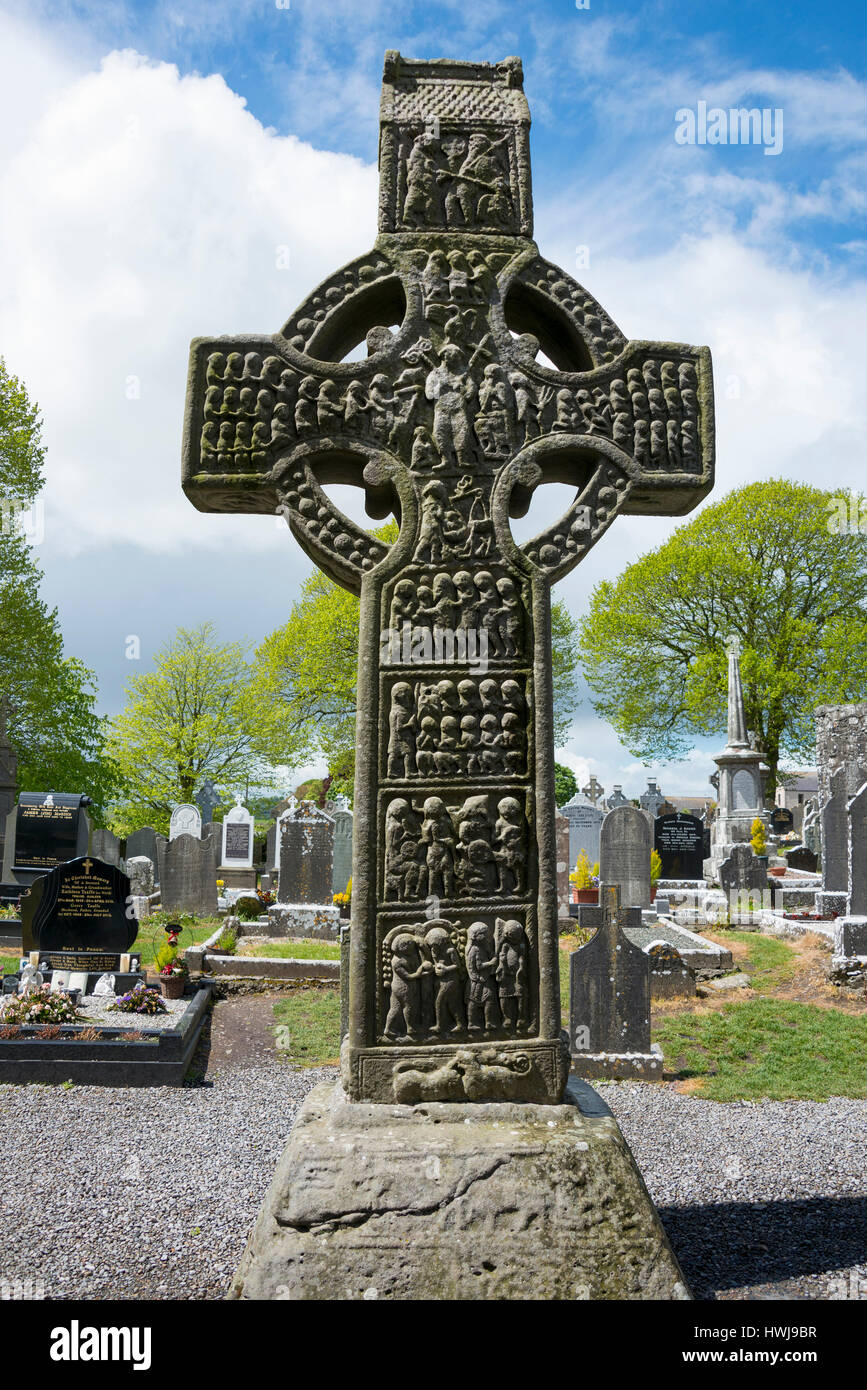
609 994
451 422
207 800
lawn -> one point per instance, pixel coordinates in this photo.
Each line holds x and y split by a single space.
768 1048
293 950
308 1026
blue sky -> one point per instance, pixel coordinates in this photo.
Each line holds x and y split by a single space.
156 154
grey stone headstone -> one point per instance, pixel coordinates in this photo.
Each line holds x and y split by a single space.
564 895
616 798
670 976
609 982
142 842
140 872
342 870
585 823
105 846
835 830
743 872
857 850
271 848
306 855
651 800
188 875
624 854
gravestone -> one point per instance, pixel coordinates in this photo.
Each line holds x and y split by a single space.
140 872
624 854
306 855
670 976
803 858
8 773
593 791
841 756
616 798
585 823
45 829
143 842
451 422
564 887
186 820
105 845
188 875
207 800
342 859
304 905
743 872
651 800
609 996
679 842
782 820
77 916
236 861
857 875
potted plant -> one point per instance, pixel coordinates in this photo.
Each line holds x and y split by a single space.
584 880
759 845
225 944
343 900
171 967
655 872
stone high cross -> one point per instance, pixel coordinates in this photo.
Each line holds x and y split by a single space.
450 423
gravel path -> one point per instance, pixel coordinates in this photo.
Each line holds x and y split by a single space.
151 1193
760 1199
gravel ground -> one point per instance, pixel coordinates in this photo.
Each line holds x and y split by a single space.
760 1199
151 1193
98 1009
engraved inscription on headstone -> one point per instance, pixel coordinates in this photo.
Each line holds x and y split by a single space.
79 909
237 833
450 423
679 842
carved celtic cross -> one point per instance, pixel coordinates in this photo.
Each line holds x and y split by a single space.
451 422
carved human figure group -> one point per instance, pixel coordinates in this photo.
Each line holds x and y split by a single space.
439 985
477 854
456 728
462 602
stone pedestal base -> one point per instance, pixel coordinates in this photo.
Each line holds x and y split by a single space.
619 1066
304 919
830 903
441 1201
244 879
850 936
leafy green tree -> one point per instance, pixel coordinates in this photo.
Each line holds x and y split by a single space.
184 721
768 562
304 686
565 785
51 698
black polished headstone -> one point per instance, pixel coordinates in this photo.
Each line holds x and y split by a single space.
679 842
76 916
782 820
50 829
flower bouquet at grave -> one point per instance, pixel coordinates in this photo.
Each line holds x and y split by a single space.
40 1007
266 898
139 1000
344 900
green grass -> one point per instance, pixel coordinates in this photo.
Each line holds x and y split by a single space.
569 942
308 1026
9 964
151 932
297 950
769 962
768 1048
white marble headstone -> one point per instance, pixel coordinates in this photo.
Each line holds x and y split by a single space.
186 820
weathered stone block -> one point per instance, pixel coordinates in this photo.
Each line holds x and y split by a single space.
439 1201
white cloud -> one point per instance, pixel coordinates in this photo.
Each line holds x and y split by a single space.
142 209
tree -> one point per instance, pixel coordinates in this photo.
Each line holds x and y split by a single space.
184 721
51 698
766 563
304 686
565 785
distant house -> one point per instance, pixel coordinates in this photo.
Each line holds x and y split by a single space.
796 792
693 805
